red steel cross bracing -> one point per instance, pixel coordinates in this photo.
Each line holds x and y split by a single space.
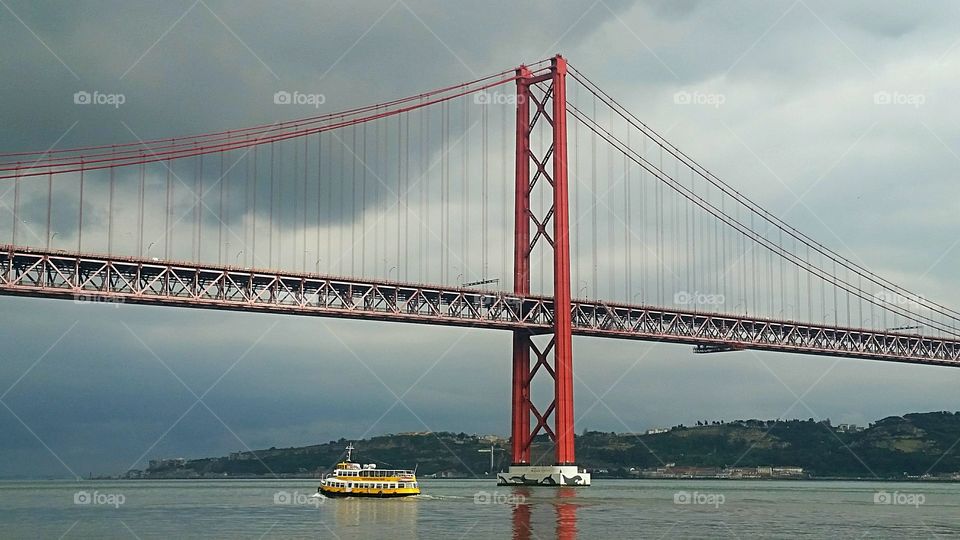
550 167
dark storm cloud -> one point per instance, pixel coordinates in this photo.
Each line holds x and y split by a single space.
878 183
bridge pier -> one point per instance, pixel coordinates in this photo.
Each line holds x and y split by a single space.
551 108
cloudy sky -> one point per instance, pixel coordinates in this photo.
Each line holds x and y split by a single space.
101 388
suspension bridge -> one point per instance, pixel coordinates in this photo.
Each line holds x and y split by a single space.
529 201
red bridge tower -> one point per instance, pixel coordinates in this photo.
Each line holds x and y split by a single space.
548 106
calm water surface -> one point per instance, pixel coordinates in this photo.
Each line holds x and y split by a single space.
479 509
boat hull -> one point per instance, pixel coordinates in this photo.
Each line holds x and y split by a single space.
391 494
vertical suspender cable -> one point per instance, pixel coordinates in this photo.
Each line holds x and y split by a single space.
246 209
485 221
660 250
16 205
465 193
576 209
425 205
375 196
723 249
270 220
143 175
610 212
444 178
322 195
168 233
110 215
593 206
407 238
294 188
403 158
353 202
328 221
198 197
49 208
690 216
782 286
80 216
627 226
306 163
504 208
626 231
280 210
253 213
220 213
363 203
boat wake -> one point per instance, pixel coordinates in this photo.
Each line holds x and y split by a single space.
425 497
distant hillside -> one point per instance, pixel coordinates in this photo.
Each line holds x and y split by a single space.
911 445
914 444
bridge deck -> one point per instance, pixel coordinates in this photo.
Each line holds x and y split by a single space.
87 277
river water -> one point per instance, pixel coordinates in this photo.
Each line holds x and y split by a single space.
479 509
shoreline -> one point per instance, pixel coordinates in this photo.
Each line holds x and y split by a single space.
688 479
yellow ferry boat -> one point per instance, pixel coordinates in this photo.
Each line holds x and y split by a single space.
350 479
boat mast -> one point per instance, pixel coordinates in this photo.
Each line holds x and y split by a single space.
349 451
